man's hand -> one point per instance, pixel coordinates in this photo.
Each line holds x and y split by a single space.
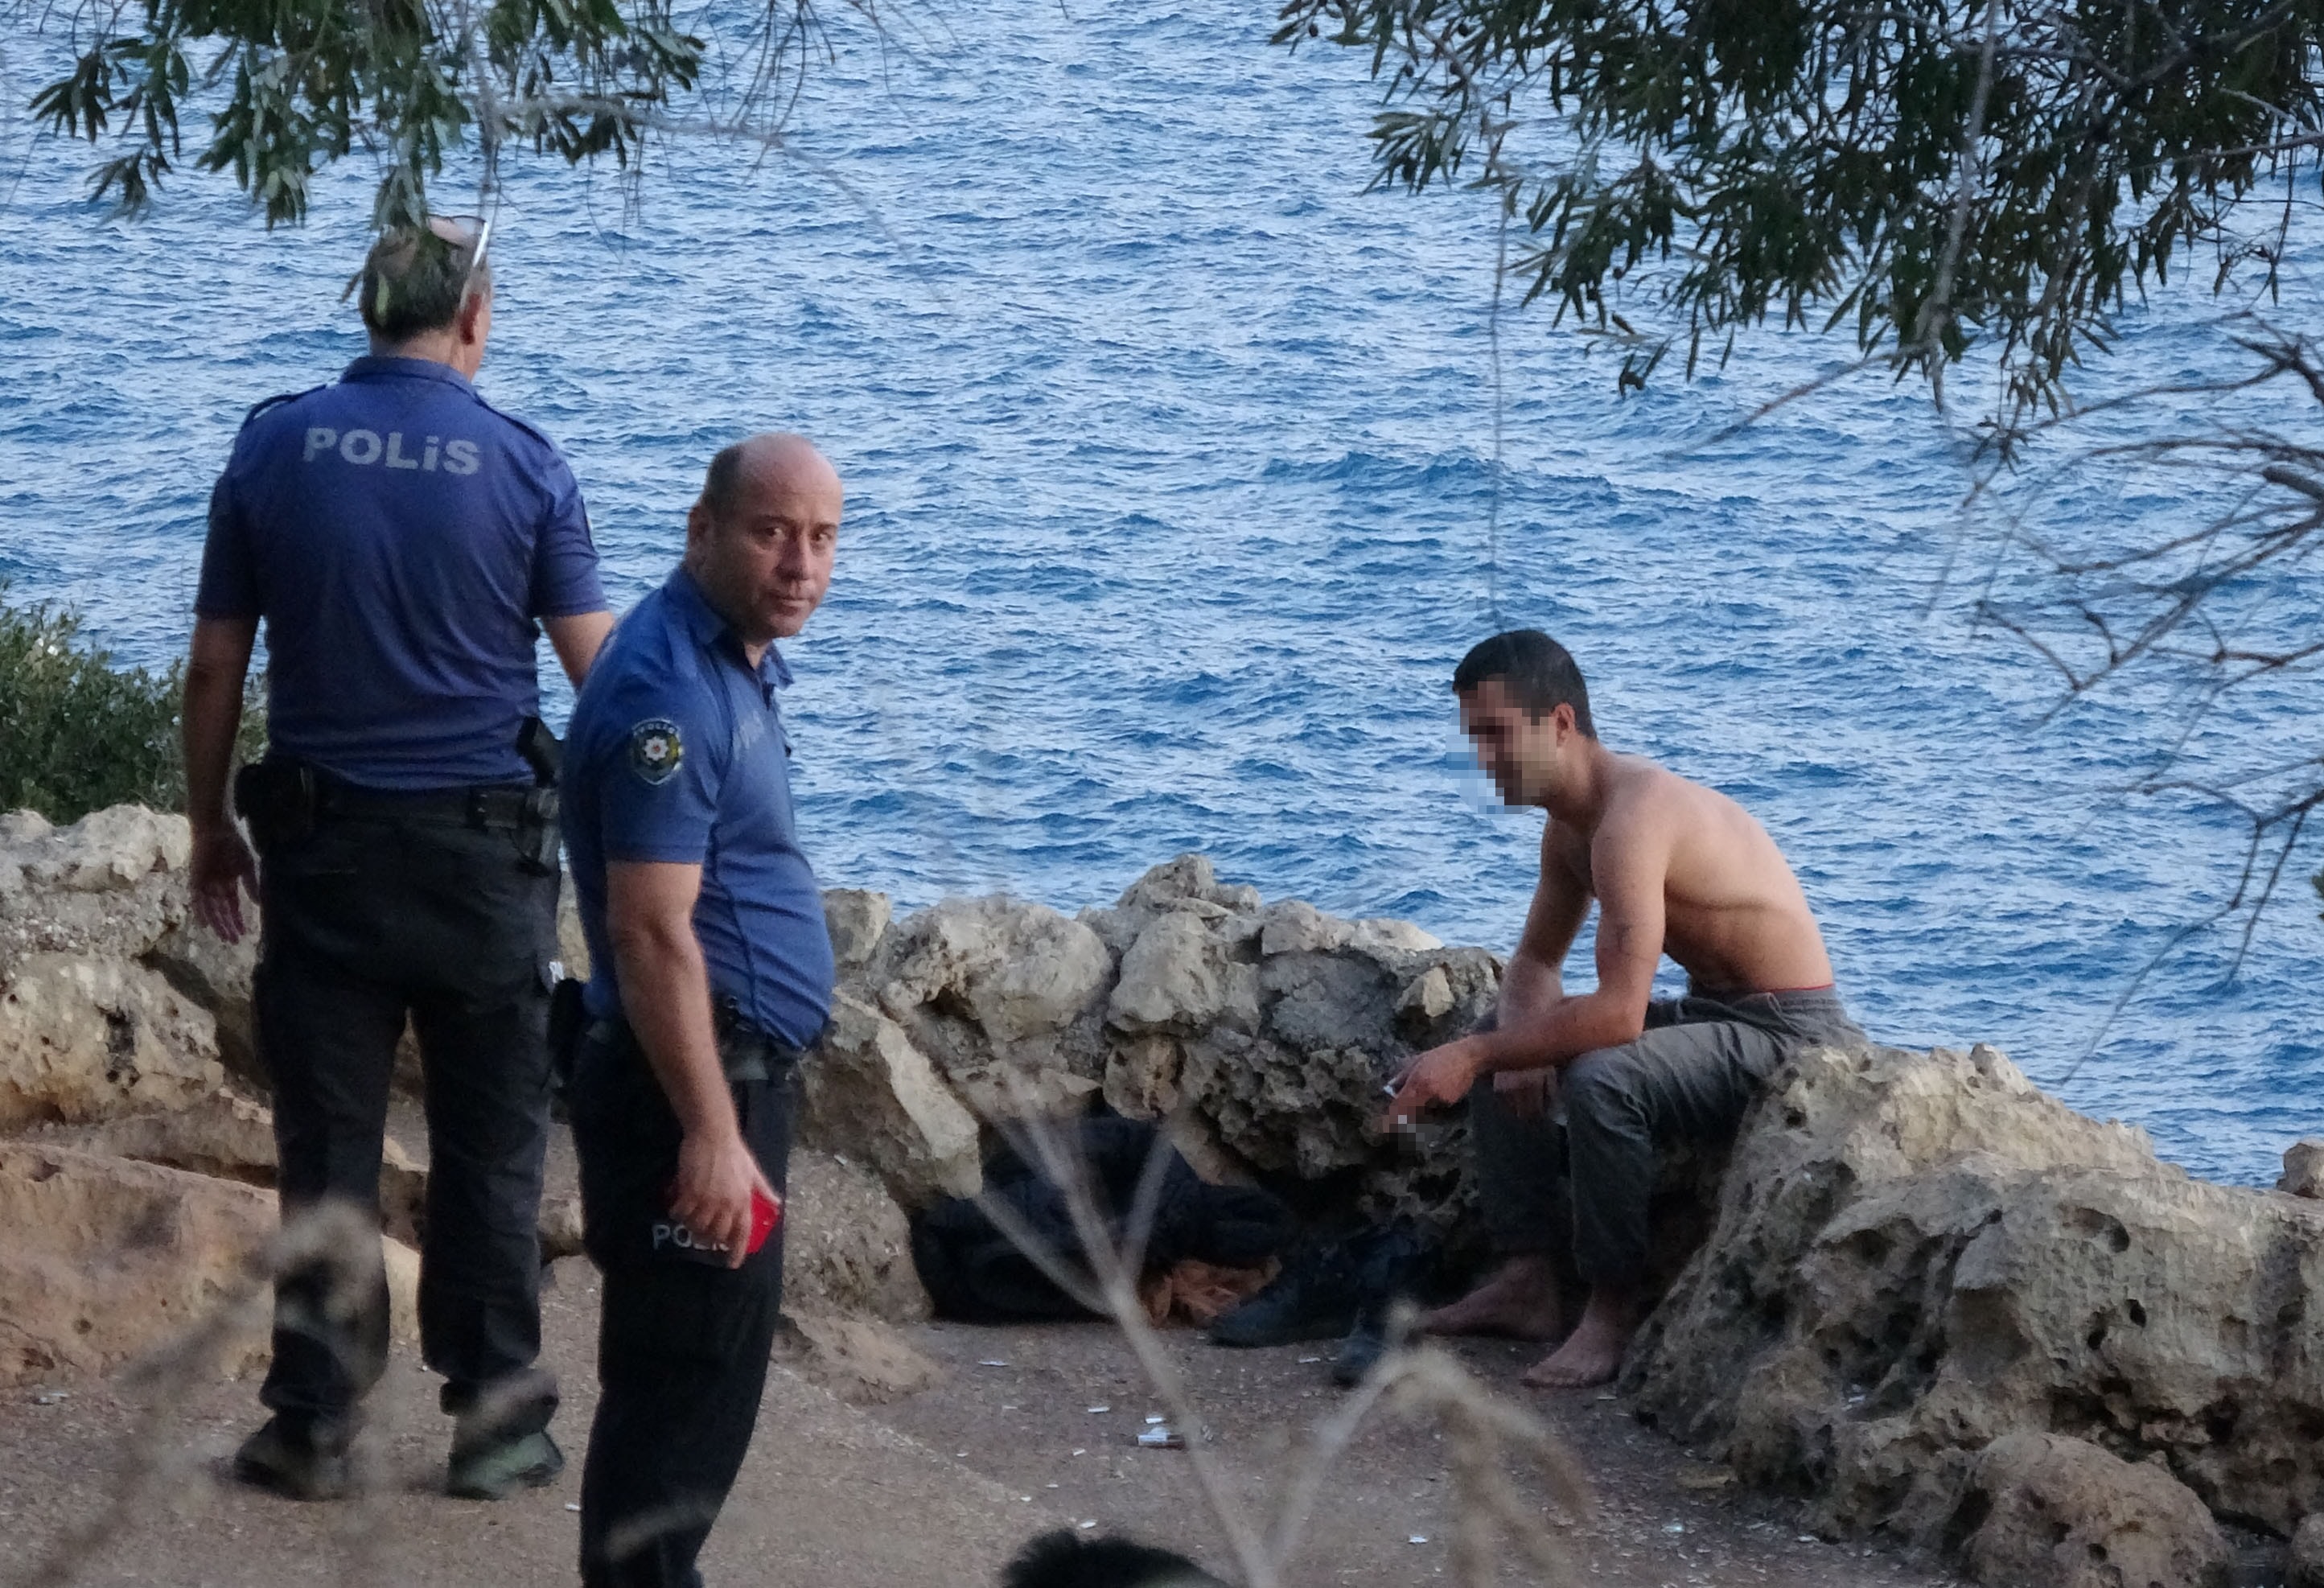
222 867
1529 1093
1437 1078
712 1194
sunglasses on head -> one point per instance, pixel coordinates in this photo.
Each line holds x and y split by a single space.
472 232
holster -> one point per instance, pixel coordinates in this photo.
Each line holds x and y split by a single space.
278 799
538 832
569 1020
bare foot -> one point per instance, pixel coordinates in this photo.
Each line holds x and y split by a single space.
1592 1355
1519 1302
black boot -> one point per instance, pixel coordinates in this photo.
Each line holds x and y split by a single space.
1394 1267
1315 1298
295 1458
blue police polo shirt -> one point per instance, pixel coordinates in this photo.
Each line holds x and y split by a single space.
677 752
399 535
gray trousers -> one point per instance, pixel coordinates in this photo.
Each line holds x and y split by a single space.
1688 1077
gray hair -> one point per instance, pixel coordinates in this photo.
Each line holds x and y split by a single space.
415 280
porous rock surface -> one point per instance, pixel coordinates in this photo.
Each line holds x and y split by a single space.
1915 1257
2054 1512
1264 1033
104 1259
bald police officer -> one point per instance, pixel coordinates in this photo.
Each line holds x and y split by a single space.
400 537
712 975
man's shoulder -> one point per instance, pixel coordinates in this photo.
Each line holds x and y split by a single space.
522 435
271 418
646 669
266 405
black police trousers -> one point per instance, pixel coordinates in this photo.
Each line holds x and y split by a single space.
367 920
682 1345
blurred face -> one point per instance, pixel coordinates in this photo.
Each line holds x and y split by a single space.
1526 757
765 562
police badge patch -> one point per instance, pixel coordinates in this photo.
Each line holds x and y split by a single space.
655 750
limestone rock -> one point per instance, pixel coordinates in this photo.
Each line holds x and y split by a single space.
402 1263
2304 1168
1176 978
1297 927
216 975
1018 970
222 1134
103 1259
403 1194
874 1096
1309 1112
1915 1256
81 1037
1188 878
2058 1513
847 1247
107 887
1000 1093
1430 996
1384 936
1450 990
857 918
2305 1569
572 941
1141 1075
559 1228
862 1361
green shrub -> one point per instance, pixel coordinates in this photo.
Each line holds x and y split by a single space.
78 733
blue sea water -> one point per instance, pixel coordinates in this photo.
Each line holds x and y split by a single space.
1173 499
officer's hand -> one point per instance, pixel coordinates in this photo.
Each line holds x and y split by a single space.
712 1194
1528 1093
222 867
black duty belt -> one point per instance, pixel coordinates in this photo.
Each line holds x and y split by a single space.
745 1053
495 808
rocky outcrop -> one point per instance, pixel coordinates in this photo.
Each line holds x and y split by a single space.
870 1092
1932 1302
1917 1256
847 1246
2053 1512
102 1259
105 1259
1264 1033
82 1036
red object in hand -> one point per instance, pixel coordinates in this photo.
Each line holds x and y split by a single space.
766 1218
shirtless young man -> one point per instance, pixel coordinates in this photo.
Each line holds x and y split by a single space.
1675 869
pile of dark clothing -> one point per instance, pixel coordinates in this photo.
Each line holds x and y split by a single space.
976 1274
1308 1287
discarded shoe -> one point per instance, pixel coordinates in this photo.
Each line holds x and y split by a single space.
496 1468
1315 1298
292 1460
1323 1287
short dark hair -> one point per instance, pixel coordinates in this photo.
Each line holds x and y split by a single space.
1539 672
1060 1560
414 281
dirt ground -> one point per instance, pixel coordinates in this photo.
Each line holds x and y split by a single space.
938 1488
935 1489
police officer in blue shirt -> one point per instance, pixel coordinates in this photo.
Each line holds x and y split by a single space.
711 975
400 537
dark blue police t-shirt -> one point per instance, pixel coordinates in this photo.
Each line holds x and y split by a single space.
399 535
677 752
